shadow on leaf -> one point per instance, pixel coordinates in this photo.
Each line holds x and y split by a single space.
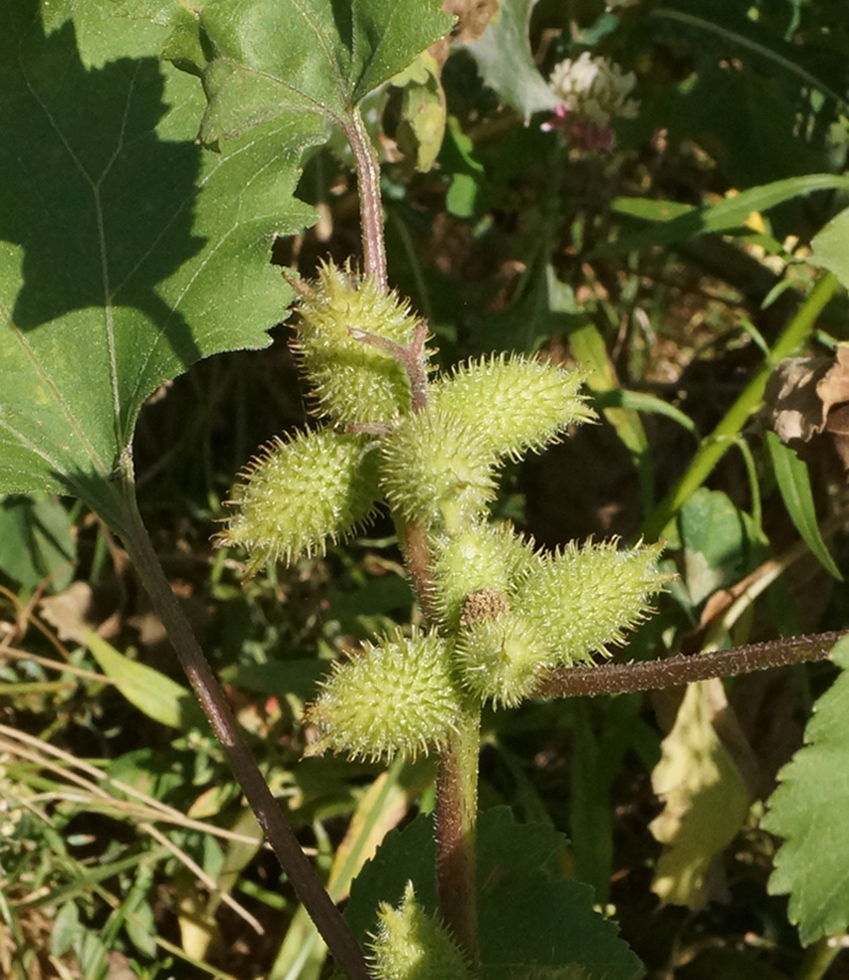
101 206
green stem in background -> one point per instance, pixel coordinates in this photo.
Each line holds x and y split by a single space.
308 887
722 438
819 957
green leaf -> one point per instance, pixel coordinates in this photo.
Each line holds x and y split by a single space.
794 482
156 772
831 247
141 929
154 694
724 216
297 677
590 350
421 128
100 35
551 924
265 59
720 543
506 63
37 542
66 928
468 178
810 810
640 401
126 252
650 210
136 913
528 912
405 855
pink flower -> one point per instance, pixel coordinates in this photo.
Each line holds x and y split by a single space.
580 132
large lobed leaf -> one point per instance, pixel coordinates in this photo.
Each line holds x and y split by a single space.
810 810
263 59
126 252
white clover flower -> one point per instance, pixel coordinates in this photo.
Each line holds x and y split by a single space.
594 89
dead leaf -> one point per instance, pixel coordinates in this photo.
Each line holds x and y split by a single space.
67 612
120 968
807 398
473 17
705 801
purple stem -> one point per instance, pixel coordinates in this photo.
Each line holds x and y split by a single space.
371 209
652 675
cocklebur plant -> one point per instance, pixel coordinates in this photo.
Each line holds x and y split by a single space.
168 231
502 612
498 612
410 944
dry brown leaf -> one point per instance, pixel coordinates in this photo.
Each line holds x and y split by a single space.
808 398
69 612
473 17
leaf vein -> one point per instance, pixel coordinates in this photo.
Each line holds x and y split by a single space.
66 409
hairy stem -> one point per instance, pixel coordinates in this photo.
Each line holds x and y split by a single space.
457 780
309 889
652 675
413 359
456 826
371 209
457 777
417 558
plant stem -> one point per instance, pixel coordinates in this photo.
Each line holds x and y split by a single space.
413 540
308 887
456 826
652 675
371 209
457 779
819 957
713 448
413 359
